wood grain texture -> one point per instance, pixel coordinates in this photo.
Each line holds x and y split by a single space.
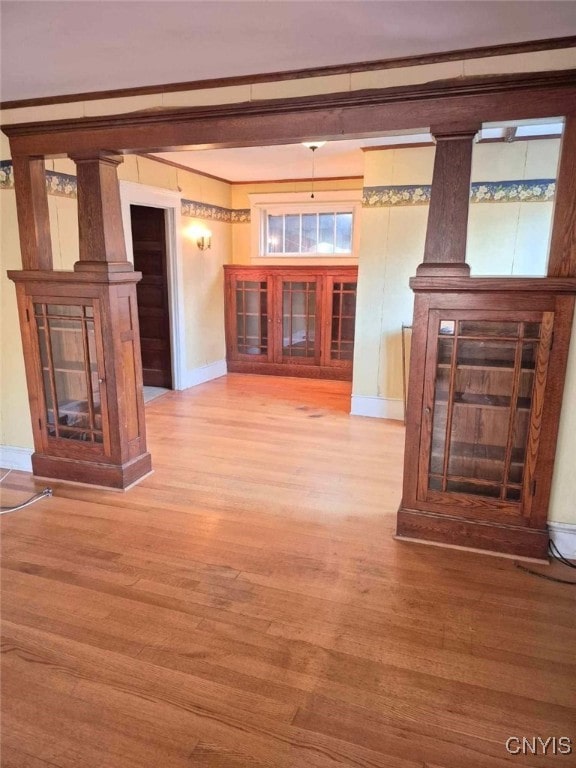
32 212
327 116
562 260
270 352
121 458
99 211
447 227
247 606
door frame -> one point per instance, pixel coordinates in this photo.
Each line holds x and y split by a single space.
132 193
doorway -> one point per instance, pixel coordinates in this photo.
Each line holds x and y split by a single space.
148 227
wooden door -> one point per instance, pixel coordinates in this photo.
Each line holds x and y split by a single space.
150 258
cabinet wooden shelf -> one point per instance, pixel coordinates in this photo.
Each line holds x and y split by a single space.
486 379
291 321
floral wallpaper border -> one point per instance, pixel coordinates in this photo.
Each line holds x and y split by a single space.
198 210
523 191
519 191
65 185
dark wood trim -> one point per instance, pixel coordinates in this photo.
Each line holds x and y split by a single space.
445 246
181 167
505 49
156 159
120 476
32 212
406 145
329 116
101 234
427 527
477 86
494 284
417 144
296 181
562 261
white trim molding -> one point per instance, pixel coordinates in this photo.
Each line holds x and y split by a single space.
300 202
12 457
564 537
378 407
205 373
132 193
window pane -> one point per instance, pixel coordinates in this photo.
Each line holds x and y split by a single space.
309 232
275 239
343 232
326 238
292 233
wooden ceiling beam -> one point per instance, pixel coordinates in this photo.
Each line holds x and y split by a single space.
357 114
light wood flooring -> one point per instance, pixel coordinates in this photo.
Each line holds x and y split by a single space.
247 605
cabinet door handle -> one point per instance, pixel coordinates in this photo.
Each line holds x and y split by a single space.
101 381
427 410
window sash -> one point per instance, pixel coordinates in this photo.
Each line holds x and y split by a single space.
291 231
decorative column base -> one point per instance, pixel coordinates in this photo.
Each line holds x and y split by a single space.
120 476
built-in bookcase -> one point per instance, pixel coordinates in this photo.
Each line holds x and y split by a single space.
486 378
296 321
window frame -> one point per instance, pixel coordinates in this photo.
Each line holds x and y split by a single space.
263 205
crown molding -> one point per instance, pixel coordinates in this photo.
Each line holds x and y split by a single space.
505 49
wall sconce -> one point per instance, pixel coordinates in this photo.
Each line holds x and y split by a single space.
204 241
200 235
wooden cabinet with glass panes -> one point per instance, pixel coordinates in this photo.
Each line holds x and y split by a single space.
74 385
487 372
291 321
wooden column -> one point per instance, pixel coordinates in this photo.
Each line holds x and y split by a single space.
562 261
32 211
102 245
445 249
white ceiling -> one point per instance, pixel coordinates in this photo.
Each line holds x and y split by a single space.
334 159
286 161
55 47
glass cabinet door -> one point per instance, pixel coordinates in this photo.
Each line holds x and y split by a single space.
483 396
252 317
343 321
299 320
70 377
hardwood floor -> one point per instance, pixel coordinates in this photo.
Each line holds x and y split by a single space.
247 605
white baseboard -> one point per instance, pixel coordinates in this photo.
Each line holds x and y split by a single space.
205 373
16 458
564 537
378 407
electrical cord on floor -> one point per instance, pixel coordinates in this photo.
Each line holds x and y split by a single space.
37 496
559 557
544 575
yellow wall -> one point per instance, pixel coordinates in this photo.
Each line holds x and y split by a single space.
203 290
503 239
242 251
391 244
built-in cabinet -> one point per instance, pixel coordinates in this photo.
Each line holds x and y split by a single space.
84 385
291 321
487 373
